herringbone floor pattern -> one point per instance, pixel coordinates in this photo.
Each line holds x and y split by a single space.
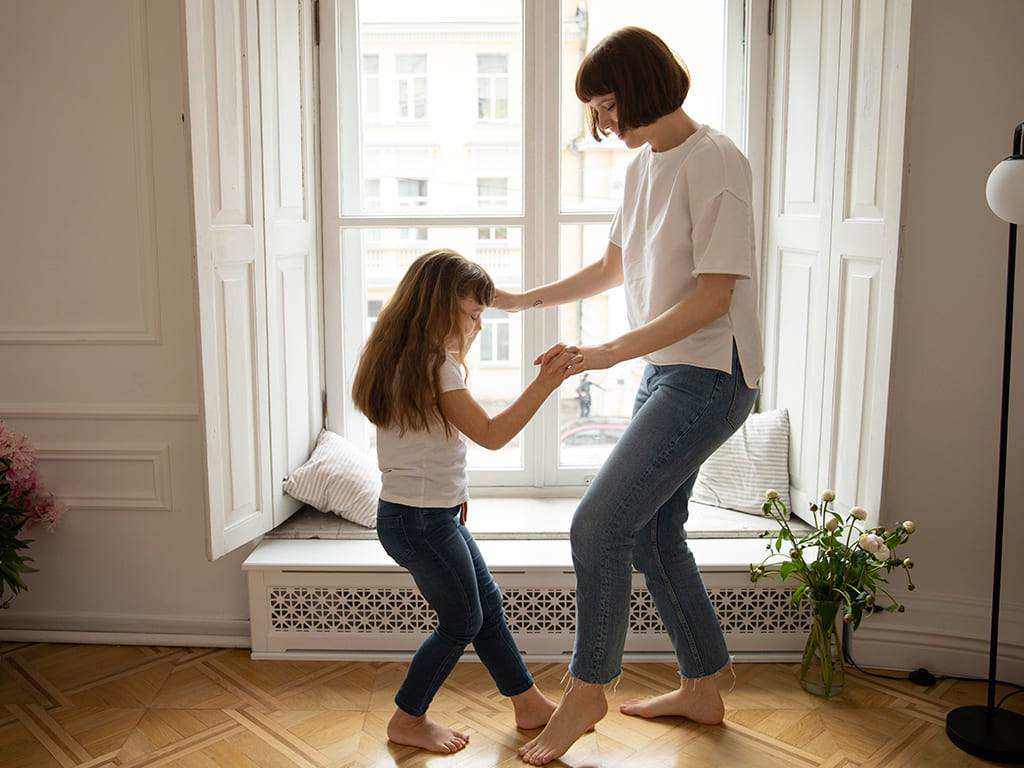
107 706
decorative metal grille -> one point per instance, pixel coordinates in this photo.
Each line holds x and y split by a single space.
382 610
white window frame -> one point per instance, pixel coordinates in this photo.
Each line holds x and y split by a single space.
540 220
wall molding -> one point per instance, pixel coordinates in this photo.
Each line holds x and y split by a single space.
145 328
101 411
153 473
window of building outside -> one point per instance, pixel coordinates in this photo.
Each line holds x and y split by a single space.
451 153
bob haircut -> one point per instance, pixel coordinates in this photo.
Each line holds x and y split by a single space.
648 79
397 381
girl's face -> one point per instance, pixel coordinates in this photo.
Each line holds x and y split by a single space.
471 313
608 120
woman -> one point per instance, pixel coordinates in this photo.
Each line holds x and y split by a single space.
682 244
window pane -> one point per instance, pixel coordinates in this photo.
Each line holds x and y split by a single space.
593 412
592 171
447 89
495 359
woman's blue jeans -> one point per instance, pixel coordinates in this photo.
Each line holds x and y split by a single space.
634 513
451 574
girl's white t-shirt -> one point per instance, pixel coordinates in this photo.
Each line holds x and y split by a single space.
685 212
425 469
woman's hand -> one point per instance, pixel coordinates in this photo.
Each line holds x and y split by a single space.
508 301
585 358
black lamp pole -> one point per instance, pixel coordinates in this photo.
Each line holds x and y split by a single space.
988 731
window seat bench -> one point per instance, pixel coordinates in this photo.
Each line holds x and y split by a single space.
321 587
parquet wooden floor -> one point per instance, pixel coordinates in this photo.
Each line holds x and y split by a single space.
107 706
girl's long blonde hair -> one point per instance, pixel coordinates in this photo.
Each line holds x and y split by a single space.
398 381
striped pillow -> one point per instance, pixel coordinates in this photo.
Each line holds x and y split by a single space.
752 461
338 478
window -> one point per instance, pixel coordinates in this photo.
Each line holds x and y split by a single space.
371 86
412 86
371 200
494 337
492 193
528 199
492 86
412 193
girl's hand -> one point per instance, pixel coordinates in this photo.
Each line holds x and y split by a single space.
556 365
585 358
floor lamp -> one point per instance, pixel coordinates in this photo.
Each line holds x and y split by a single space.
991 732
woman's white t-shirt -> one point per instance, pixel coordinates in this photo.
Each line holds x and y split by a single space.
687 211
425 469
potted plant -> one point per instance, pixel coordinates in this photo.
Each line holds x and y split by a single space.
841 568
23 504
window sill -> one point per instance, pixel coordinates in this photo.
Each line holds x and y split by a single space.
532 519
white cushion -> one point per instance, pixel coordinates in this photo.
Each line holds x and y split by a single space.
752 461
338 478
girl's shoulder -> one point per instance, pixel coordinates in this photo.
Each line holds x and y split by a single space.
452 375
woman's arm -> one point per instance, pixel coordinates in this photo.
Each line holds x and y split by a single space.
593 279
709 301
493 432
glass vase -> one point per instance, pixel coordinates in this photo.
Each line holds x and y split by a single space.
821 671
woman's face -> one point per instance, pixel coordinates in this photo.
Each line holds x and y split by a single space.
608 120
471 314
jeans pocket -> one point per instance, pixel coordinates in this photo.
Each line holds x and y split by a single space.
394 537
743 398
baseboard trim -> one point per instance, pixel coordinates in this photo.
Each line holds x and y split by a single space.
946 636
125 629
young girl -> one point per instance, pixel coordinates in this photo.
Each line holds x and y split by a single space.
682 245
410 383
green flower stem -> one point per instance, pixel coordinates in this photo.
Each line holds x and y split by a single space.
823 631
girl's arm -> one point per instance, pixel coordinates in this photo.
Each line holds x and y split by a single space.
709 301
493 432
593 279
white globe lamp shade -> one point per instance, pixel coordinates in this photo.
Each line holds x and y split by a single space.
1005 189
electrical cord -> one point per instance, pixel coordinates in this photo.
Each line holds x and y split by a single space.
1012 693
924 678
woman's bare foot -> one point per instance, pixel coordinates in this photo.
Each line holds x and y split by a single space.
533 709
697 700
424 733
581 707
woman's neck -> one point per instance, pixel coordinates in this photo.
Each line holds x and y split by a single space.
671 130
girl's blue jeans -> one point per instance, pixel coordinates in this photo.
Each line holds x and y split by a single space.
452 576
634 513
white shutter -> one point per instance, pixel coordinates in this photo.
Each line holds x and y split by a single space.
839 95
256 258
798 222
291 211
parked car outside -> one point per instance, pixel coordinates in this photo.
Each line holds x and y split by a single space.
588 443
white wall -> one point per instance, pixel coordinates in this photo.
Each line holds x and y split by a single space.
966 95
109 391
98 332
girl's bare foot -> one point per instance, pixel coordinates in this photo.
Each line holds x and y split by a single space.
581 707
424 733
697 700
533 709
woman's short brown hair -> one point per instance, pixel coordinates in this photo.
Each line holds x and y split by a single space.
648 79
